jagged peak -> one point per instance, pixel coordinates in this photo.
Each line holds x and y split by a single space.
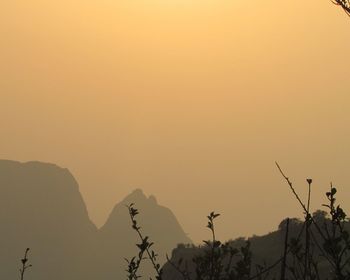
152 199
138 191
136 195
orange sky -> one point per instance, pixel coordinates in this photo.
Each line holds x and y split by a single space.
192 101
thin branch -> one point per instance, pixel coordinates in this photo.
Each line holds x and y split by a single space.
25 266
300 202
132 214
291 187
345 4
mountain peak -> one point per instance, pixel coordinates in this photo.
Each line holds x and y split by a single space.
135 196
138 192
152 199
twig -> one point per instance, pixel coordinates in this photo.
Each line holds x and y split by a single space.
300 202
291 187
345 4
145 244
25 266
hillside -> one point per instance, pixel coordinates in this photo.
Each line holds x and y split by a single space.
267 251
41 208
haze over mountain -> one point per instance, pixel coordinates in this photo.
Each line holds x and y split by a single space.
41 208
181 97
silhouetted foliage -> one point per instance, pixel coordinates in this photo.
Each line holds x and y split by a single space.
214 260
345 4
314 249
326 240
144 248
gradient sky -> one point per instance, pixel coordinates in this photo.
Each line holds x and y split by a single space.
190 100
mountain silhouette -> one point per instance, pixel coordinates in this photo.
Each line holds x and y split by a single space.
41 208
157 222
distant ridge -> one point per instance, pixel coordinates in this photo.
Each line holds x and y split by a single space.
41 208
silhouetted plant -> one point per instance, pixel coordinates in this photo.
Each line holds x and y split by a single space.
144 248
209 265
216 261
335 248
337 242
25 264
319 243
345 4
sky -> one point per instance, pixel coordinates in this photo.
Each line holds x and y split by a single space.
191 101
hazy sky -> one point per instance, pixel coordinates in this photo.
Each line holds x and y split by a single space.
192 101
